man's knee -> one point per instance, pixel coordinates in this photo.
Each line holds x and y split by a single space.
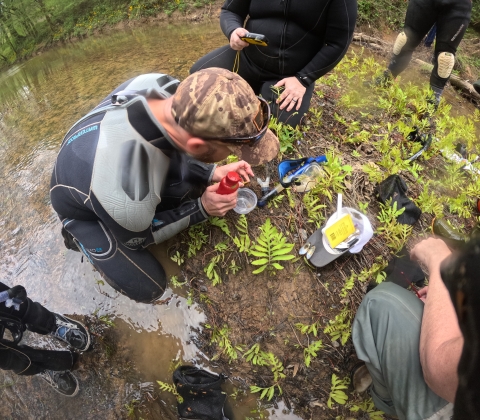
390 298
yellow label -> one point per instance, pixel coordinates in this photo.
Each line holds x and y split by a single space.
340 230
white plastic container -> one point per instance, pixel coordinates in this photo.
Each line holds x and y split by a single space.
246 201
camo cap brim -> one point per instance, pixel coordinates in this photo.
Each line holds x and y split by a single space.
215 103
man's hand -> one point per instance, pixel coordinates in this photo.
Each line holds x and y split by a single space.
430 252
218 204
235 42
242 168
293 93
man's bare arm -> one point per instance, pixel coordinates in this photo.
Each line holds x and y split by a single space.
441 341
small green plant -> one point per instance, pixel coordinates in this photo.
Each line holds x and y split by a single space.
220 337
260 358
233 267
314 209
178 258
363 207
242 241
309 328
130 407
340 327
176 283
287 135
429 202
311 351
231 159
190 298
349 283
333 178
197 239
211 270
220 223
275 201
170 388
336 392
367 407
107 319
271 247
394 233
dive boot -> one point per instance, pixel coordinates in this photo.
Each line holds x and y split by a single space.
383 80
63 382
72 332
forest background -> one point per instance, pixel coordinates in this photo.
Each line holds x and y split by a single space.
29 26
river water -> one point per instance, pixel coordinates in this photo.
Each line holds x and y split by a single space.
39 100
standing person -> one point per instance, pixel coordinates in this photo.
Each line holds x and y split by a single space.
133 171
306 40
451 18
51 365
411 348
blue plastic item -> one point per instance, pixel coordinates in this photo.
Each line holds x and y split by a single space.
299 166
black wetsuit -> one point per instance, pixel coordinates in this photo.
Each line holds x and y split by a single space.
451 18
25 360
306 38
120 185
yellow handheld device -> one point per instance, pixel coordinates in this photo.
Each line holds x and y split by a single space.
255 39
340 230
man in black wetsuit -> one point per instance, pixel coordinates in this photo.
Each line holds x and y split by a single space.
451 18
18 312
127 174
306 40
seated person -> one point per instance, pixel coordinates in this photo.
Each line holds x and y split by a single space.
132 172
51 365
306 40
410 348
451 18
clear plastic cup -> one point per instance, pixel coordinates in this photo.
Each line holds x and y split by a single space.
246 201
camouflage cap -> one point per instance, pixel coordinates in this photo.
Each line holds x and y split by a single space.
215 103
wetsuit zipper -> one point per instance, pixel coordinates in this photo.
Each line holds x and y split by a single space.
281 57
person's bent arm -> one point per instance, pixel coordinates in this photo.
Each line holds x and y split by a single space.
233 15
441 341
342 16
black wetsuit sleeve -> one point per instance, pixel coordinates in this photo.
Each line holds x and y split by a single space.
342 16
199 173
233 15
168 223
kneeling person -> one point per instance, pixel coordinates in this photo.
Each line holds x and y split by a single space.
134 171
54 366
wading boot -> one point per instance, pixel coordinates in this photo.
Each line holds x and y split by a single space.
476 86
72 332
383 80
63 382
360 377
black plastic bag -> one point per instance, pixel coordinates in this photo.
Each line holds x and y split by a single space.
395 188
202 394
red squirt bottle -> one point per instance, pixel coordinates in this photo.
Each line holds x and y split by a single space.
229 183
